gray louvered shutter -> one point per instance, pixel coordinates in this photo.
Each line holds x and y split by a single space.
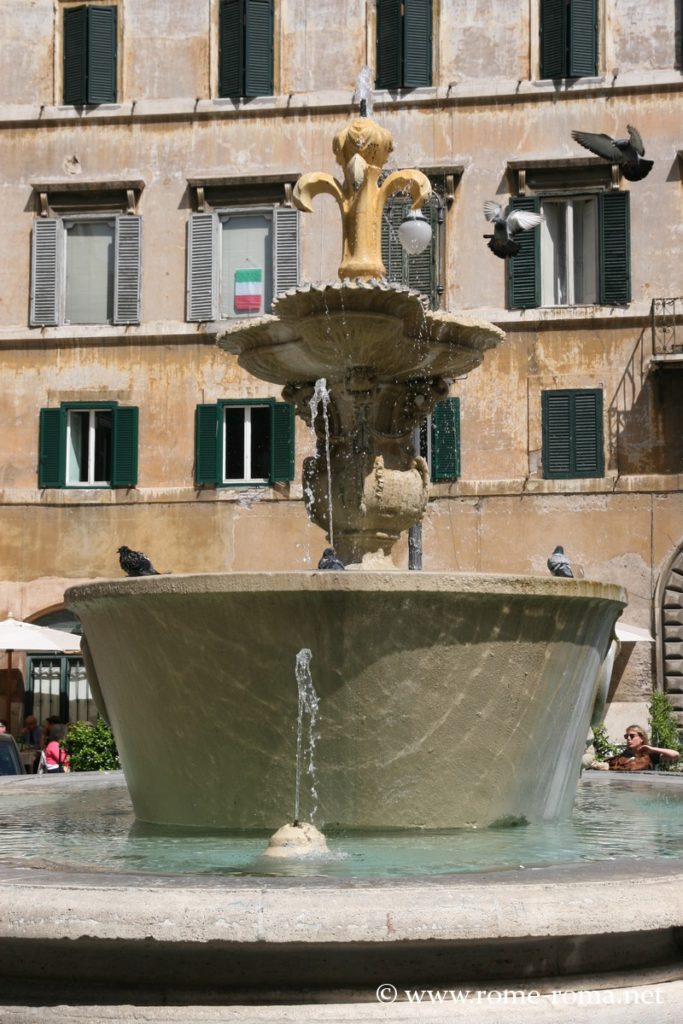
202 288
556 442
231 55
583 38
285 249
44 269
446 440
258 48
392 250
389 45
101 54
128 270
588 433
75 44
423 269
615 247
417 43
553 38
524 278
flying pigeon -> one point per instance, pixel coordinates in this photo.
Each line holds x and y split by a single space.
134 563
506 225
558 563
628 153
330 561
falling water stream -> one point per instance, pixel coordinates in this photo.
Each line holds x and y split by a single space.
308 706
321 397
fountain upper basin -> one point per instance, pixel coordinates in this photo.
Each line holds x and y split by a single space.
445 699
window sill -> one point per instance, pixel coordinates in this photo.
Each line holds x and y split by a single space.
634 312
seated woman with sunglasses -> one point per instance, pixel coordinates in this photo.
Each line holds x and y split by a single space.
638 755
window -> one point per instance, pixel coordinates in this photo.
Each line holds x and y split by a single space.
90 54
86 270
239 260
422 272
569 38
404 44
440 440
248 441
88 445
58 685
581 254
572 434
246 48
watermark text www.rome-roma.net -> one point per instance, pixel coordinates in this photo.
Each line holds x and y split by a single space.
388 993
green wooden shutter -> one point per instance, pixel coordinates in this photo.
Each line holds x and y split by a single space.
285 249
127 269
446 440
422 270
282 442
392 250
231 48
553 38
572 434
583 38
556 443
524 277
206 444
417 43
124 463
101 55
202 288
389 45
615 247
45 242
587 429
52 448
75 43
258 48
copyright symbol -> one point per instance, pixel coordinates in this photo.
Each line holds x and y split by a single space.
387 993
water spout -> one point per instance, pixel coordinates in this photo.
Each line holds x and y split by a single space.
308 705
364 93
321 397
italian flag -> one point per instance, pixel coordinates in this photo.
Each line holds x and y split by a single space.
248 291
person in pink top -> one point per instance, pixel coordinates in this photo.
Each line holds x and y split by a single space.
55 759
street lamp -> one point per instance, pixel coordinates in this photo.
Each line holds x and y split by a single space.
415 233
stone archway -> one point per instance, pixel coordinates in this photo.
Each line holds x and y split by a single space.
671 633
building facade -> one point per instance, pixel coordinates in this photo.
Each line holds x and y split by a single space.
148 153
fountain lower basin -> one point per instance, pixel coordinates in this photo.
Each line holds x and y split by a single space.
446 700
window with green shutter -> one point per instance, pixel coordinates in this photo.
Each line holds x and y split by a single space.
89 44
244 442
569 38
572 434
404 44
440 440
88 445
245 48
423 271
239 259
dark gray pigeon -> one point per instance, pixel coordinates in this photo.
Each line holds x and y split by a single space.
505 225
628 153
559 564
134 563
330 560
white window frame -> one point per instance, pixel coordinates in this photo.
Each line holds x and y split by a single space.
588 258
92 438
225 213
66 223
247 478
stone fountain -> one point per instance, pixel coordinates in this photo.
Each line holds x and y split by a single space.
445 699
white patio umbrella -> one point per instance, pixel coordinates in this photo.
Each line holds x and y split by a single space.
26 636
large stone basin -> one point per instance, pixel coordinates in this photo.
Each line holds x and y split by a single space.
445 700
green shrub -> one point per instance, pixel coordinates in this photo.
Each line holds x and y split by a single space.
91 748
602 745
664 730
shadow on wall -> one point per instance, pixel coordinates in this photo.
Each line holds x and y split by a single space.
646 416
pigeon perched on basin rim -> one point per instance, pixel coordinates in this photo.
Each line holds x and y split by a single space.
559 564
330 561
134 563
628 153
505 225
